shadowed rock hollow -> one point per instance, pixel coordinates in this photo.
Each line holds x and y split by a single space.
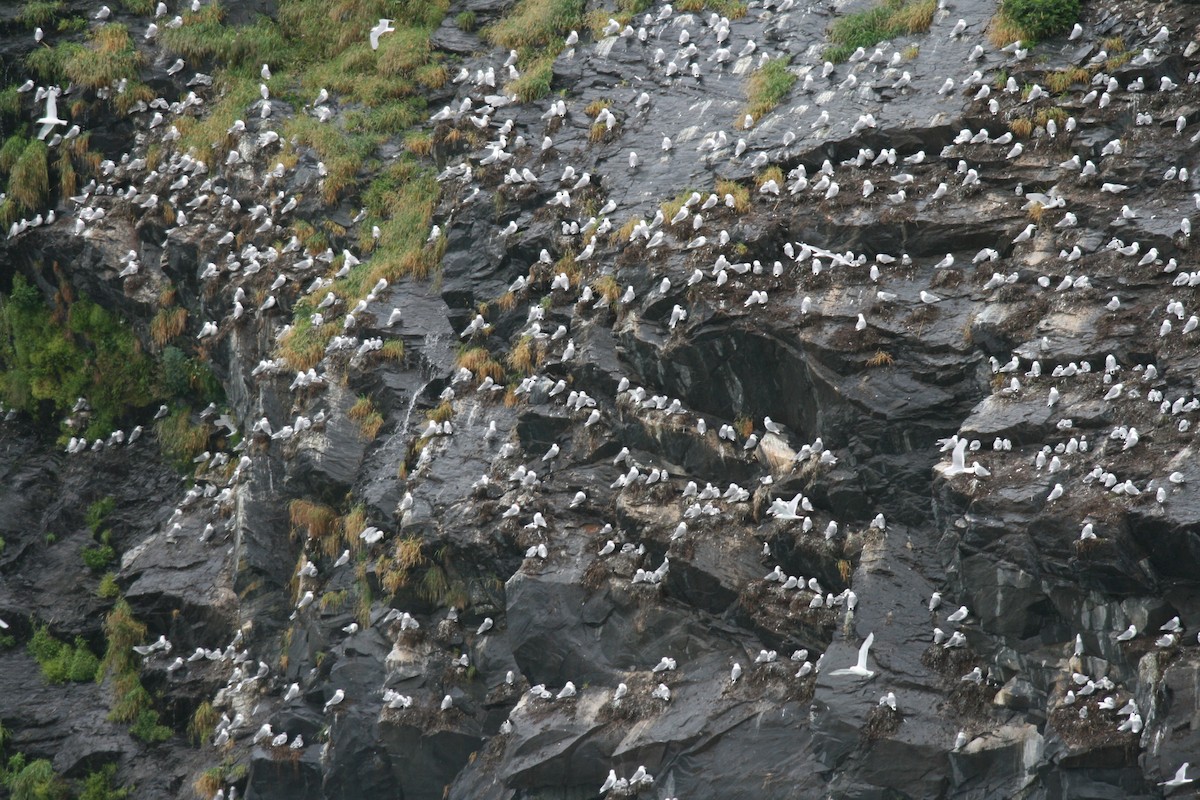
448 471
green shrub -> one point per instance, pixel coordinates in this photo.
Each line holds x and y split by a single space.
108 588
146 727
97 558
35 780
1038 19
99 785
98 511
179 439
465 21
48 359
60 662
189 378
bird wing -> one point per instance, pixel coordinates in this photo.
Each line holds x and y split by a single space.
862 651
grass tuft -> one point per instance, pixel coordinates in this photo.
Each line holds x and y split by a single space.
766 88
890 19
741 194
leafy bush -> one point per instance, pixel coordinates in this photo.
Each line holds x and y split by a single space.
49 358
188 378
146 727
99 785
97 558
35 780
179 439
108 588
60 662
1039 19
98 511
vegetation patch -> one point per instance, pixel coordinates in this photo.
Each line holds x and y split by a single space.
62 662
1032 20
51 357
766 88
888 20
179 439
369 420
740 194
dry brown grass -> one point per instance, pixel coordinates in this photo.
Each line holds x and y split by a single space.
741 195
882 358
167 324
1044 115
481 364
393 350
596 106
1061 81
419 143
1002 31
394 570
506 301
352 524
315 520
606 286
442 412
769 174
524 358
1021 127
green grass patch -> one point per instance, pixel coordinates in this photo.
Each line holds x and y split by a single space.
108 588
536 24
97 558
179 439
890 19
766 88
1034 20
100 785
51 357
97 512
33 780
536 77
62 662
37 13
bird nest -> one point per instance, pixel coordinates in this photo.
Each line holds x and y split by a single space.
950 663
637 704
971 700
1098 731
882 722
777 679
596 575
284 753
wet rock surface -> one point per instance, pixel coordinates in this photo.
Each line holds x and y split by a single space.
866 340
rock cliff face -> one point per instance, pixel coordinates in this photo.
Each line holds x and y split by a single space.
548 402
